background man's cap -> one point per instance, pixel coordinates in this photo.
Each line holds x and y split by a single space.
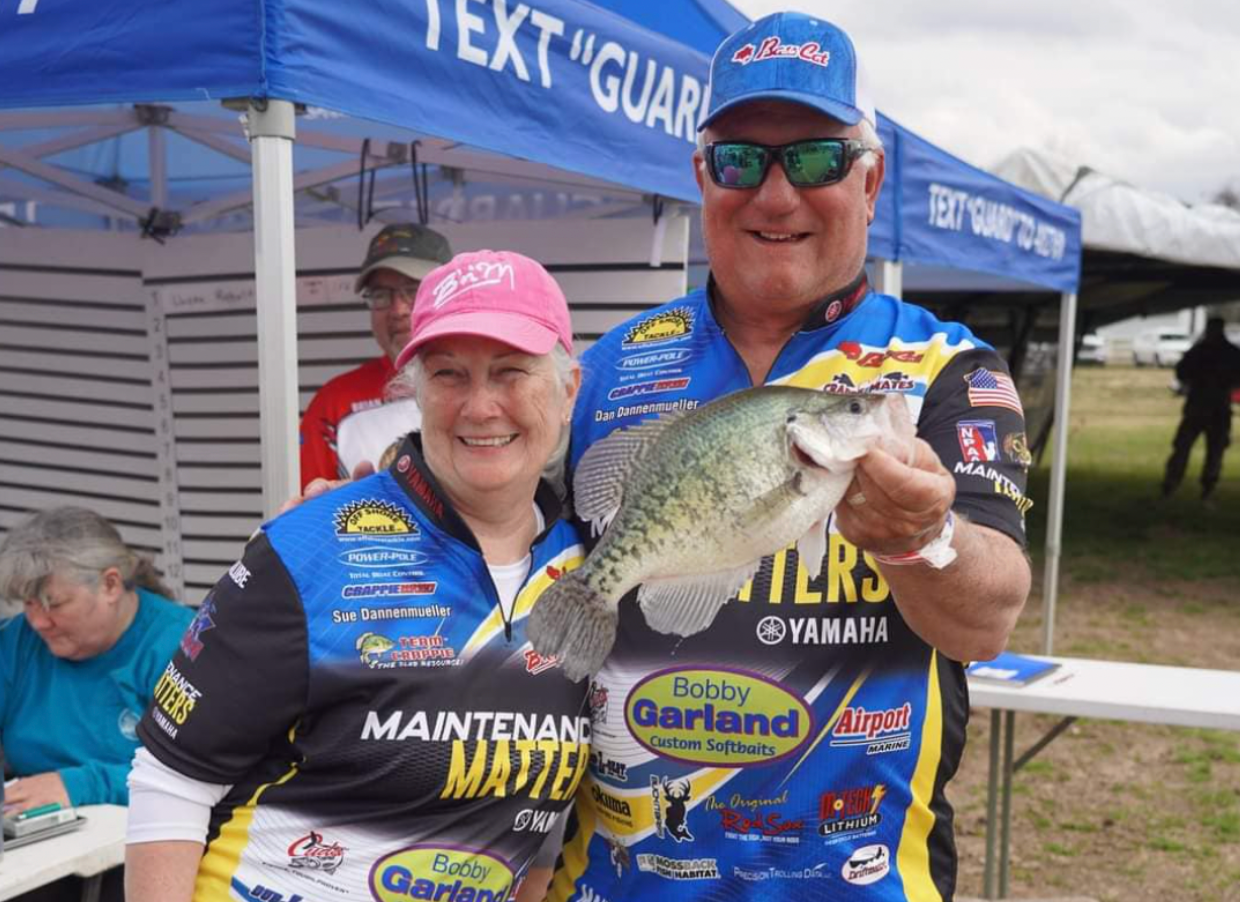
794 57
493 294
410 249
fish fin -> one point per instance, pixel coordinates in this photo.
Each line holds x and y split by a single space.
576 624
688 604
598 483
812 547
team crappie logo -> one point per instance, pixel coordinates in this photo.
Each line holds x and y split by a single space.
670 325
378 652
441 872
376 558
653 359
717 717
371 517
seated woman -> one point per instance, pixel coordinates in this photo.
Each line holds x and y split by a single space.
356 713
76 672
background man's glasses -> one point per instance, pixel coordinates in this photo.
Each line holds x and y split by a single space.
807 164
383 298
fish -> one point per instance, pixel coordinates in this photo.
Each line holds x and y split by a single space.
372 647
688 504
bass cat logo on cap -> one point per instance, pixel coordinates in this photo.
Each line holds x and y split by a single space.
666 326
772 48
372 517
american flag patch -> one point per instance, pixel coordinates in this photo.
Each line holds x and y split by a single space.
990 389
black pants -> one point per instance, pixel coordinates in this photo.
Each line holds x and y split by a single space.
1216 424
70 889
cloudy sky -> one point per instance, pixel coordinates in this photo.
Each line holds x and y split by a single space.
1145 90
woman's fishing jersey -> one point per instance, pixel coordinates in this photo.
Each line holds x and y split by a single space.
799 746
387 729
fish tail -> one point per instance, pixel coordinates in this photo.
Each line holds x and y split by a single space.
574 622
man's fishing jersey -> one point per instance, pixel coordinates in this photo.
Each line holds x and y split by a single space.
388 731
798 747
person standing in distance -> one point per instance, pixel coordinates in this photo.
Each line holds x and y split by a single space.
332 441
810 730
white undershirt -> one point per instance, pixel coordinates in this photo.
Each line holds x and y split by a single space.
167 805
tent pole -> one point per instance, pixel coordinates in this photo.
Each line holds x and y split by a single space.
889 276
272 131
1059 469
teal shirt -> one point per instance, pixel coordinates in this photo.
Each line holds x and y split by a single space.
80 717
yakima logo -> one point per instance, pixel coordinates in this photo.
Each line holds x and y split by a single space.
772 48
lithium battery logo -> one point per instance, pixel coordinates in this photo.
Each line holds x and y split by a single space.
654 387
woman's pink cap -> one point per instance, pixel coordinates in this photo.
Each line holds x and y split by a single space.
494 294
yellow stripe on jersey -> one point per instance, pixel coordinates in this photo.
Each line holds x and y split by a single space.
913 857
573 857
935 354
218 865
493 624
830 724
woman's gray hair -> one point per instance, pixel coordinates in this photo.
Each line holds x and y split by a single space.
73 543
408 383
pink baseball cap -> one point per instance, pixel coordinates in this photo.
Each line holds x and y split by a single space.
494 294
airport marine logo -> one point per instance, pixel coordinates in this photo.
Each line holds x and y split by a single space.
670 325
370 517
717 717
441 872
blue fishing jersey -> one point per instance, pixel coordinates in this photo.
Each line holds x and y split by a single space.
388 731
799 746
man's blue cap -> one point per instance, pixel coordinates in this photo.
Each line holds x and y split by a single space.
793 57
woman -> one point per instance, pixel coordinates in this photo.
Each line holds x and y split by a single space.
355 714
76 671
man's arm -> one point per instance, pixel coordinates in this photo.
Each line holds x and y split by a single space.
162 871
966 610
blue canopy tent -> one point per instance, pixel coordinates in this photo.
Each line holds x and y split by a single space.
563 83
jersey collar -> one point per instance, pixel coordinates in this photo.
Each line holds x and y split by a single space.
828 311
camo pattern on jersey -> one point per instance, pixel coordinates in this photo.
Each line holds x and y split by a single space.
353 677
797 748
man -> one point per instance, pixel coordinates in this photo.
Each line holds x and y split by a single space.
1210 370
332 440
799 747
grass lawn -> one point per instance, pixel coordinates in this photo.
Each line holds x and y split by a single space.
1110 810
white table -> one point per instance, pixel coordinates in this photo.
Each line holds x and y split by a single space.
87 852
1110 690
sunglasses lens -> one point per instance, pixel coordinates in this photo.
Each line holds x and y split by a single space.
738 165
814 162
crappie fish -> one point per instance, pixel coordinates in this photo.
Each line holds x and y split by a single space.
687 498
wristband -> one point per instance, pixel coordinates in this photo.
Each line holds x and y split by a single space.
936 553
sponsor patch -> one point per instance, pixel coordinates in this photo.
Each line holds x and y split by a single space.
717 717
1000 482
607 767
388 590
670 800
857 353
878 731
439 872
990 389
866 865
378 557
773 630
312 853
536 663
760 826
1016 447
678 868
772 48
843 813
652 387
817 872
670 325
977 440
372 517
191 642
532 820
650 360
378 652
175 696
240 574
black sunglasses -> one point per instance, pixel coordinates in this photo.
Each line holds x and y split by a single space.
807 164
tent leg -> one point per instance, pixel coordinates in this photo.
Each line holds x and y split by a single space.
1059 470
275 273
889 277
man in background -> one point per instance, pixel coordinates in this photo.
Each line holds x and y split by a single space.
1209 371
398 259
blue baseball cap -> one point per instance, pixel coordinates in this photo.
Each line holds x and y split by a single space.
794 57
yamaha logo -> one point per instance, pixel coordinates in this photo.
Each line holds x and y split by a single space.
771 630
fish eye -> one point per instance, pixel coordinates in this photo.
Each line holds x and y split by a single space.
854 407
792 418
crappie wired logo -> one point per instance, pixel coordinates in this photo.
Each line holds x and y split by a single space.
669 325
654 387
653 360
717 716
371 517
441 872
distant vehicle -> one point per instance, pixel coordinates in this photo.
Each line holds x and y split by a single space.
1159 348
1093 351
